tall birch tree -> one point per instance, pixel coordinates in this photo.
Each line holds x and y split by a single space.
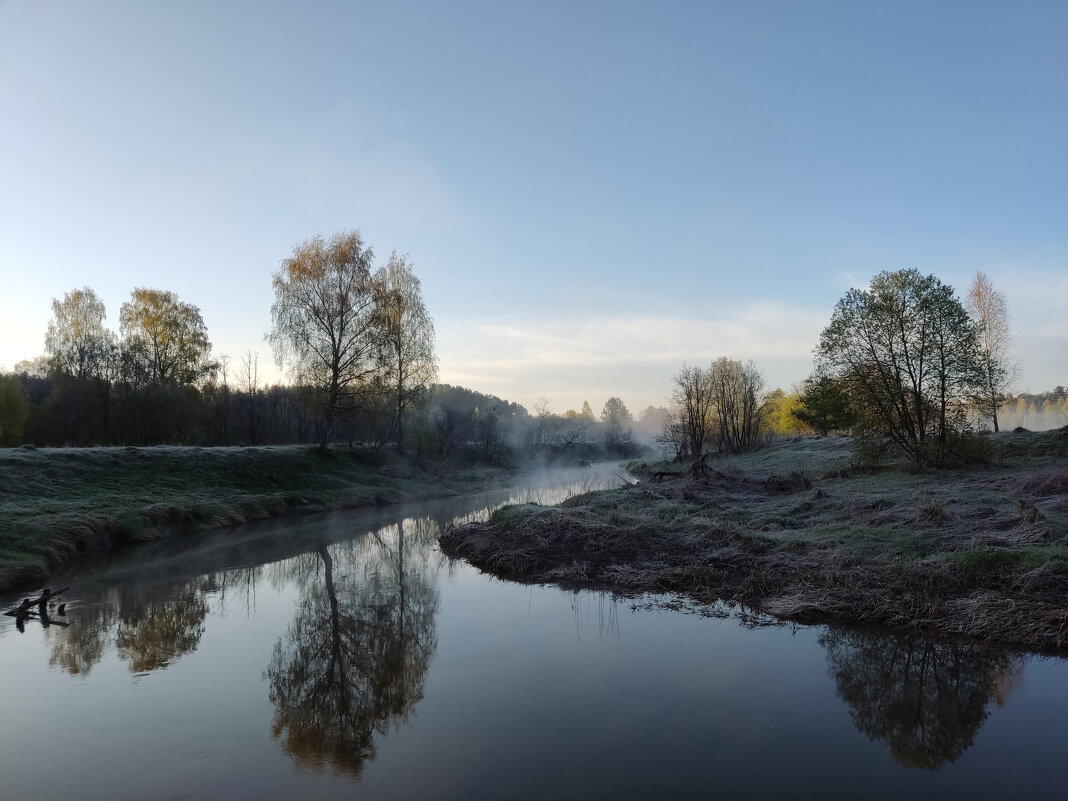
406 339
323 320
989 312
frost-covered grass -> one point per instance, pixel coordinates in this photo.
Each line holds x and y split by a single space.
798 531
58 502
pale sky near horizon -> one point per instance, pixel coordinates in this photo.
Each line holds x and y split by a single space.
590 193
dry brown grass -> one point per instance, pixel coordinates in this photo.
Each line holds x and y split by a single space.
1046 483
981 554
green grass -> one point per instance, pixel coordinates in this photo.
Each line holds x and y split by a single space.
57 503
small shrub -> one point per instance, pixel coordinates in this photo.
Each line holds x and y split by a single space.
930 510
965 448
869 453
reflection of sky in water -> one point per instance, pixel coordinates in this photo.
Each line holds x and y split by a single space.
204 672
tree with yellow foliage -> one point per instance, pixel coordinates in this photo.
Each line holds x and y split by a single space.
170 335
323 320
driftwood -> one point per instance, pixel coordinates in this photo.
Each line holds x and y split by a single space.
26 607
46 621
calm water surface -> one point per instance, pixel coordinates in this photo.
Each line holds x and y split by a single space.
343 656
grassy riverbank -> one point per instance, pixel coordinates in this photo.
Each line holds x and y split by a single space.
796 531
56 503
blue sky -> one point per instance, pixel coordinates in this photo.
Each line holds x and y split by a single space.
591 193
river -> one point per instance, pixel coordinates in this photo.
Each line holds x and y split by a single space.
343 656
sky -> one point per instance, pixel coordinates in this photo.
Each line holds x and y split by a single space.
592 194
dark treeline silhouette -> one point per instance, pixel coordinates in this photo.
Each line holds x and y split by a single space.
154 382
449 423
60 410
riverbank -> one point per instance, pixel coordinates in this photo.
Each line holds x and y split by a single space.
58 503
796 531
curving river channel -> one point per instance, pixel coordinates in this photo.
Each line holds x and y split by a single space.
343 656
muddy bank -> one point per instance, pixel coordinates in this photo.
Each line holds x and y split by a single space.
980 553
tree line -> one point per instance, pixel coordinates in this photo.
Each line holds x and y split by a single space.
357 345
904 366
93 387
1038 411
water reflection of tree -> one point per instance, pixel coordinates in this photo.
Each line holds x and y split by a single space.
79 646
150 625
927 699
355 656
155 631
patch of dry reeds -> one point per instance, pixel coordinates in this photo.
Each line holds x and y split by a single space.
1046 483
930 510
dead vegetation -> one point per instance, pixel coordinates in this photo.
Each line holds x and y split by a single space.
983 554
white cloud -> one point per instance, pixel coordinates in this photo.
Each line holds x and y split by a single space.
571 359
761 330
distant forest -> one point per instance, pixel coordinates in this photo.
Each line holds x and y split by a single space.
50 408
1037 411
157 385
358 346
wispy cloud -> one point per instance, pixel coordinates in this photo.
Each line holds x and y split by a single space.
756 331
594 355
573 358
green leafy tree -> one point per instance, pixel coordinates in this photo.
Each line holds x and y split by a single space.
780 416
904 351
823 406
